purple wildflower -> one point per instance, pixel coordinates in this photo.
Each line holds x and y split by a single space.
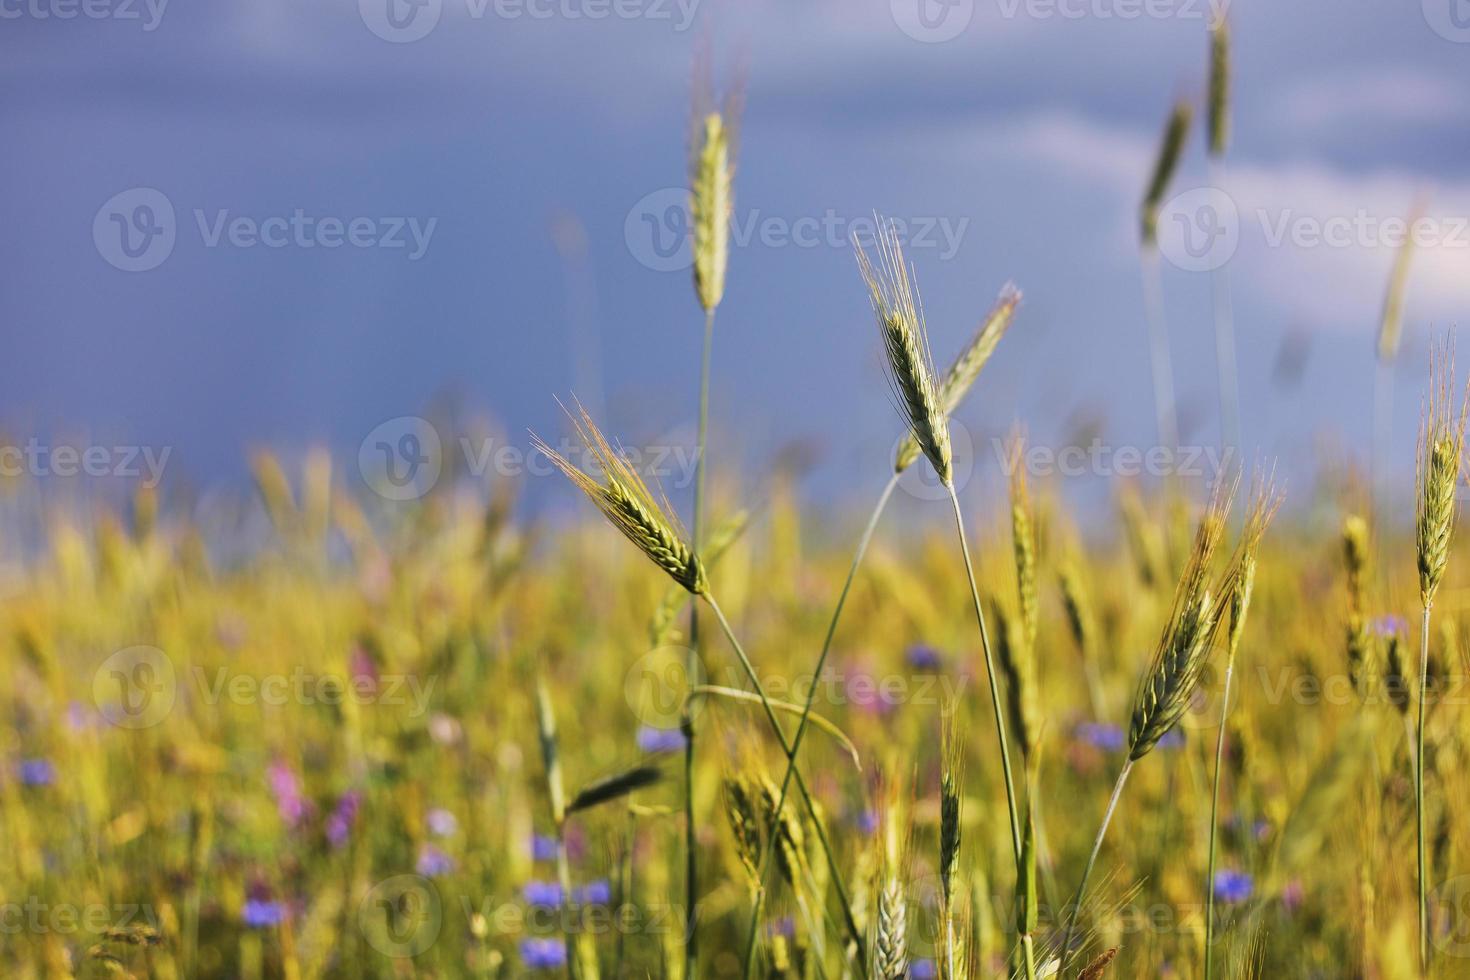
343 816
923 970
441 822
543 954
867 822
287 790
433 862
1391 624
543 848
1172 739
657 740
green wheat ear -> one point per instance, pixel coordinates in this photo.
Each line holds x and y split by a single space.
1184 647
1440 458
906 346
966 368
629 505
1171 150
710 204
1218 131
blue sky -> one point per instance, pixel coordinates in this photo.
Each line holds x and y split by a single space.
512 128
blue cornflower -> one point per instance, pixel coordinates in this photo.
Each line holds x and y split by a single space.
37 772
1172 739
597 892
542 893
1109 738
1233 886
923 970
543 848
651 739
543 954
921 656
262 914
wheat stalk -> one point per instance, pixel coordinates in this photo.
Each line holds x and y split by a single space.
1166 687
1265 502
1441 455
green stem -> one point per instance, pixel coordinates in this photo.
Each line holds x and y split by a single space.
1000 722
1419 791
1224 348
1214 824
811 696
806 796
1158 349
1066 951
691 879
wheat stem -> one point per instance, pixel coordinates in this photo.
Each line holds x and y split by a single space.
1092 859
691 879
1225 341
1000 723
1214 824
857 559
795 772
1419 790
1158 348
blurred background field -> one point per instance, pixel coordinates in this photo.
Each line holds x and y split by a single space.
322 759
